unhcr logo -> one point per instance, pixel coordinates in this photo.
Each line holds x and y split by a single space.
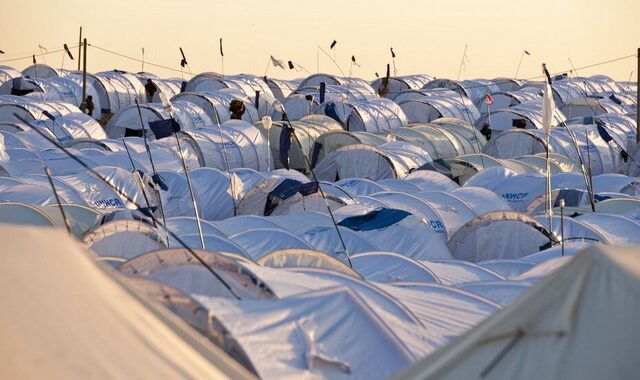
514 197
436 225
108 203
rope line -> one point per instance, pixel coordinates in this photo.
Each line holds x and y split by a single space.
37 54
138 60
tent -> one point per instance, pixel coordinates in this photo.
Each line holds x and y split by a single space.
550 331
399 83
389 160
500 235
137 337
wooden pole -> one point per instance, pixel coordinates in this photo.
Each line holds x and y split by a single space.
638 99
79 48
84 75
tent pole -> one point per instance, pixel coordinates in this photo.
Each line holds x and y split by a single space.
193 196
156 178
84 75
562 224
79 48
139 179
638 99
55 193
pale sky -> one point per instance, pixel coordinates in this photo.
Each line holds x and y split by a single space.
428 36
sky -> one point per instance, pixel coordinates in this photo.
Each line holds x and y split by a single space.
428 36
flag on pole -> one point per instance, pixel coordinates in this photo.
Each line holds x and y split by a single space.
34 59
221 51
66 48
527 53
43 48
353 59
393 55
291 65
277 62
2 52
183 62
548 104
333 44
488 99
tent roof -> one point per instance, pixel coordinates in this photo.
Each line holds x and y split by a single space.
550 331
137 338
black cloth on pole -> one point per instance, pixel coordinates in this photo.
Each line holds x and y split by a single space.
164 128
285 145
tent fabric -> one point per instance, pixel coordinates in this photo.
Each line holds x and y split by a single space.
179 269
499 235
387 267
137 337
590 299
420 241
305 342
292 258
123 238
374 220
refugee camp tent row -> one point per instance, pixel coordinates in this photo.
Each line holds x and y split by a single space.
407 318
424 106
523 189
474 233
287 274
216 104
526 115
474 90
375 115
305 101
445 138
314 80
593 151
255 90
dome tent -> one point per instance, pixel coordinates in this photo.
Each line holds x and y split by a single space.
397 84
390 160
276 196
499 235
179 269
296 258
530 113
567 311
307 131
216 105
382 226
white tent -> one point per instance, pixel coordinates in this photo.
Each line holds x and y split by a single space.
107 330
550 331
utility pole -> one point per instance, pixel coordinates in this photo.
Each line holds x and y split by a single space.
84 75
79 48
